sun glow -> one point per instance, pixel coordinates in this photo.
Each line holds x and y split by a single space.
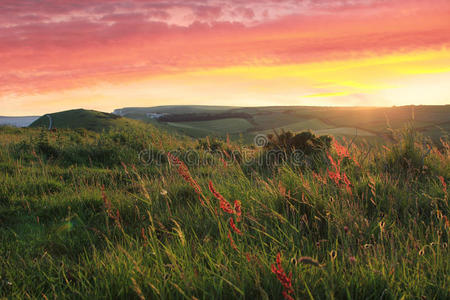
104 56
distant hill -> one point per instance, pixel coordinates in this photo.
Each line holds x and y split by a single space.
171 109
18 121
80 118
367 122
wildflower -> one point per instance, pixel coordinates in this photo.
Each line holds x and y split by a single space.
233 226
337 176
233 245
444 185
237 209
319 178
224 162
341 150
184 172
352 259
163 192
144 235
286 281
347 183
224 204
117 218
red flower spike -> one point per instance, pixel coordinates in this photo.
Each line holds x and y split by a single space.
237 209
233 245
224 204
184 172
286 281
233 226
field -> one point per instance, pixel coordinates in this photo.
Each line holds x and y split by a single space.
221 127
432 121
111 214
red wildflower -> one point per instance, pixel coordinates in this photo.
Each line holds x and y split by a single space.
319 178
444 185
224 162
224 204
286 281
233 245
337 176
347 184
341 150
144 236
237 209
248 257
233 226
184 172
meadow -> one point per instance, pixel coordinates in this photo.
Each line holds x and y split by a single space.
374 123
127 213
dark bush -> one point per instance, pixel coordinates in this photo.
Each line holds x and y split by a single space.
307 142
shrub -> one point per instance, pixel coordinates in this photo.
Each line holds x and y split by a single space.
306 141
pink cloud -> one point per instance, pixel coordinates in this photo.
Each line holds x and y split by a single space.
51 45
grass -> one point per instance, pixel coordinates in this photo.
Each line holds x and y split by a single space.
370 121
83 216
345 131
219 127
80 118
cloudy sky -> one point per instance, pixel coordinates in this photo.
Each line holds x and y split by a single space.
106 54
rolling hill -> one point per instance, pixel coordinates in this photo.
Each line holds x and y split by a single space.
246 122
80 118
432 121
138 213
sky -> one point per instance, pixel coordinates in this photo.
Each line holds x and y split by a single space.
106 54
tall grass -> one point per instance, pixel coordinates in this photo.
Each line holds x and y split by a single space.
82 216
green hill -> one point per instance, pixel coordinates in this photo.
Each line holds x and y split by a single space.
104 215
374 122
80 118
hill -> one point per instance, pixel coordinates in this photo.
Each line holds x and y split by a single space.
371 123
135 212
80 118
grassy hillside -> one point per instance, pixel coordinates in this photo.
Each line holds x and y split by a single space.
173 109
113 215
80 118
432 121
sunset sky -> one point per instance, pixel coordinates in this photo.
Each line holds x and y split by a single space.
105 54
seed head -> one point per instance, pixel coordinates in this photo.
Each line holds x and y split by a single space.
333 254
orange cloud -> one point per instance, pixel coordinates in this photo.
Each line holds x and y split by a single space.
52 46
